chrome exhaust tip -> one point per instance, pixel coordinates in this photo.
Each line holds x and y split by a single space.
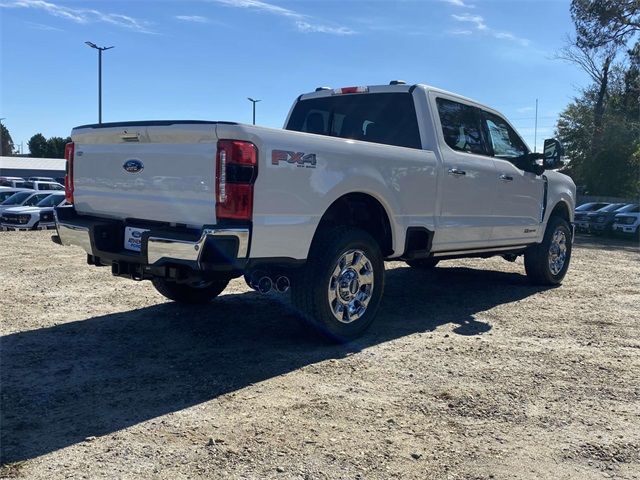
282 284
264 285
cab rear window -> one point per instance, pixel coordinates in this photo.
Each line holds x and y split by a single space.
388 118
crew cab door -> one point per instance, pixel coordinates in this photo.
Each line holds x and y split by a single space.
468 177
519 194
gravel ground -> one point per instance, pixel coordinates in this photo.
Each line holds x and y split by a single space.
468 373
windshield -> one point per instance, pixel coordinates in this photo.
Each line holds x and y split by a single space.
590 206
17 198
51 201
5 195
611 208
33 200
628 209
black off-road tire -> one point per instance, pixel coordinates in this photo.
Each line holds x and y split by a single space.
536 258
190 294
310 290
423 263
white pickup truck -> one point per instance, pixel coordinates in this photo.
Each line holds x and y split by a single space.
358 176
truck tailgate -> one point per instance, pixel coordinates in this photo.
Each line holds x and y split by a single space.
159 171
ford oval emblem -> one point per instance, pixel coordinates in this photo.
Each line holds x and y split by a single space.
133 166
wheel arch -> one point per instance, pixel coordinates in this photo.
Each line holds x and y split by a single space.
362 210
563 210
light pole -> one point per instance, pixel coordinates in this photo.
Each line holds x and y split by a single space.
254 107
100 50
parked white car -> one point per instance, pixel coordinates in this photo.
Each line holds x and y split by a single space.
12 182
628 223
39 216
42 179
38 185
359 175
25 198
6 192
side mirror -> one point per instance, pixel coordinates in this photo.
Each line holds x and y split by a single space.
553 153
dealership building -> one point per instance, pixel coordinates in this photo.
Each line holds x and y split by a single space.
26 167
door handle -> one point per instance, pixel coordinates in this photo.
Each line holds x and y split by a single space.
506 178
457 172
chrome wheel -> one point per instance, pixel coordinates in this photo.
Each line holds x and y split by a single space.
557 251
351 286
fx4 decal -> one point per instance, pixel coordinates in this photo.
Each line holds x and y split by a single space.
300 159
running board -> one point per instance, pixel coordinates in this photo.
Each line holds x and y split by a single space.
453 253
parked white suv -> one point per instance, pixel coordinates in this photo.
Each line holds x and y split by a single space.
628 223
39 185
24 198
359 175
39 216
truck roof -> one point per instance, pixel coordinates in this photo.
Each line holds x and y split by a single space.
325 91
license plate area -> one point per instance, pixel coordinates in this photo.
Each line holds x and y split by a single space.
133 238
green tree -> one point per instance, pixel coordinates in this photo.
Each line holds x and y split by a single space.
38 146
55 147
6 142
605 22
601 127
613 168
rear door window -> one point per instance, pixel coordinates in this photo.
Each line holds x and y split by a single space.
388 118
461 126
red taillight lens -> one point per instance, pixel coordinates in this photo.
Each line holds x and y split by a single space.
68 178
236 171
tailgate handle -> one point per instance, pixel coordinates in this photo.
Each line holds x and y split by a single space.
130 137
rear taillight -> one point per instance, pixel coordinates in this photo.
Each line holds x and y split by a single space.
236 172
68 178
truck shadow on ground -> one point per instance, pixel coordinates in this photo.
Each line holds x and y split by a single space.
93 377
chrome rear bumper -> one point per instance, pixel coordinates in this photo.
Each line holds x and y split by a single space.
159 247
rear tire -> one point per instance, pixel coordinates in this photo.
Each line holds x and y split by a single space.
339 290
423 263
194 293
547 263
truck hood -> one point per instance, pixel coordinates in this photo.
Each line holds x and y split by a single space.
23 210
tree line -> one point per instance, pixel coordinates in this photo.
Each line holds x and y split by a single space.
39 145
600 128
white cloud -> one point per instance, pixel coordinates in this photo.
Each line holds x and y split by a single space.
303 23
525 109
308 27
193 18
477 20
80 15
480 25
460 32
459 3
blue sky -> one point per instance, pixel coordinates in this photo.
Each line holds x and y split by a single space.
185 59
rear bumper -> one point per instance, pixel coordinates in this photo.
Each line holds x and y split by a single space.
211 248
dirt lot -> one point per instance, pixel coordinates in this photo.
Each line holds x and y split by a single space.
469 373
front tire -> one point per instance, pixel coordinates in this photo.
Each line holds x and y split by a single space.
547 262
339 290
190 293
